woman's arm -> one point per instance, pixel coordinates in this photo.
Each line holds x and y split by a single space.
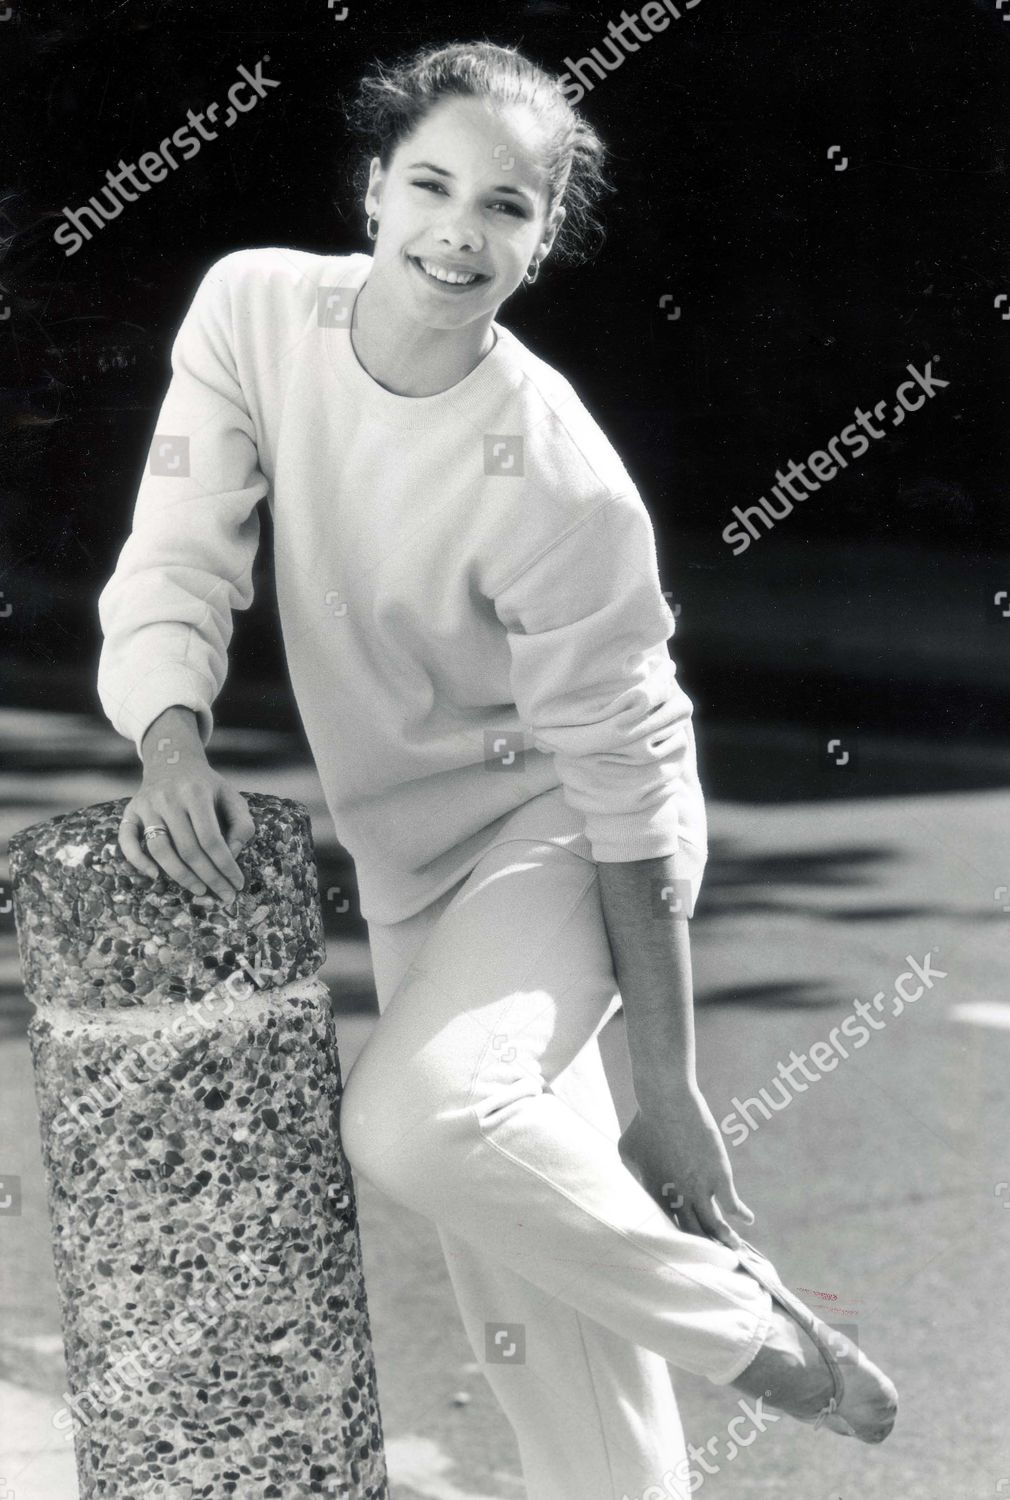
594 681
166 611
673 1143
652 963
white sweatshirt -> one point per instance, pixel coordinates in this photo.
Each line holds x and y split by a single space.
467 583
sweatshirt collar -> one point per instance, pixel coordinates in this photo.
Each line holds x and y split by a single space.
497 371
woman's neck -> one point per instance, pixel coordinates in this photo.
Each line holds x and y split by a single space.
407 358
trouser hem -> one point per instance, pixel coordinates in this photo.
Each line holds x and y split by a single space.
762 1329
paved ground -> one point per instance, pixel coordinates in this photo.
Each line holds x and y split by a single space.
884 1183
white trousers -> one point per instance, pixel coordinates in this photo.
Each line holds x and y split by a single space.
480 1101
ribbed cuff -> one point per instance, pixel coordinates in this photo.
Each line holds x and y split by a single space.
171 683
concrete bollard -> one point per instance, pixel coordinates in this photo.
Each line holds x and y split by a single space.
204 1224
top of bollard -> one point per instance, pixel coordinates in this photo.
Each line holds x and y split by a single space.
94 933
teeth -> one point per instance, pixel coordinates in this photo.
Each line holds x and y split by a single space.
454 278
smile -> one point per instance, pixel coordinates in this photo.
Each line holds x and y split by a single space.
445 279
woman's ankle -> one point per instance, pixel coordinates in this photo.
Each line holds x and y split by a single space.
788 1370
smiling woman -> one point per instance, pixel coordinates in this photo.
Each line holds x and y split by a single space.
476 633
474 151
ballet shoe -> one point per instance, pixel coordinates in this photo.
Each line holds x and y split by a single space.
864 1402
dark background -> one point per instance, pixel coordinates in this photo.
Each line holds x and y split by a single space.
866 615
804 291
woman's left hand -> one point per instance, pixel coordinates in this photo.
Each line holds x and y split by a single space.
678 1155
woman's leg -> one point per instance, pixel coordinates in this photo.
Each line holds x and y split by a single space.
452 1109
594 1415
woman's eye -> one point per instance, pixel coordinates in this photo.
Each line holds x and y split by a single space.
512 207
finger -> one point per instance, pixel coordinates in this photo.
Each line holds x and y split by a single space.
725 1190
670 1198
738 1206
237 827
211 843
236 819
164 848
688 1220
134 851
189 846
716 1226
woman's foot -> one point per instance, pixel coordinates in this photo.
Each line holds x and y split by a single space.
792 1372
810 1371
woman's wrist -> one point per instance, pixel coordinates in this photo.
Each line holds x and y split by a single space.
663 1092
173 733
662 1054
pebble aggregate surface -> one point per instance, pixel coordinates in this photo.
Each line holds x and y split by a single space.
203 1218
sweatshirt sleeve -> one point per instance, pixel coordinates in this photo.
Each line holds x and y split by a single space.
166 612
595 684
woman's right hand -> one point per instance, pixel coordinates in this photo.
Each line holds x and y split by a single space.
207 820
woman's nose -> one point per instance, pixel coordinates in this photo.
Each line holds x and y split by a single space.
461 233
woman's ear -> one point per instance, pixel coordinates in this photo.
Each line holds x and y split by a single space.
555 222
374 188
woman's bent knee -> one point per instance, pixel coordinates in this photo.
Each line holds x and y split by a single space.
399 1134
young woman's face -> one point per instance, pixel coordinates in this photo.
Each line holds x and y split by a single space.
466 192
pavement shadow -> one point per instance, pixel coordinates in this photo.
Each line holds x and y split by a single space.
45 754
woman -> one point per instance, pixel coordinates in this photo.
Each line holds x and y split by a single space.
464 565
